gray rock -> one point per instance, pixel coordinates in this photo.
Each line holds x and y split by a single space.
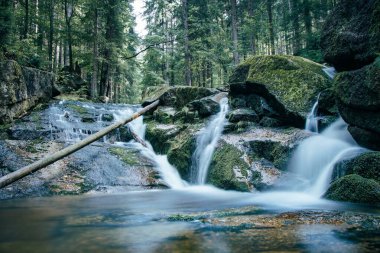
243 115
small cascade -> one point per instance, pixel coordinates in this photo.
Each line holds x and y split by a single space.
330 71
314 159
168 173
312 119
206 143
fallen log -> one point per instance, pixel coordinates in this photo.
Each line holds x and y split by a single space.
18 174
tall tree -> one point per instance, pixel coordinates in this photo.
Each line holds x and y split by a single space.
234 32
271 28
185 13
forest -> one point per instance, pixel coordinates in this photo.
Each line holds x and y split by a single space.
188 42
189 126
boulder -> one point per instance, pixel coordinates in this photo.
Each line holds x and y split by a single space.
205 106
164 114
288 84
177 96
358 99
354 188
366 165
228 170
243 115
21 88
350 38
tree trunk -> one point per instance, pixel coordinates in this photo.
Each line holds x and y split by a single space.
234 32
251 9
26 20
94 80
51 34
271 28
69 11
185 14
308 23
296 27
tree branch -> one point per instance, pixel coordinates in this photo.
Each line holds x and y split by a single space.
146 48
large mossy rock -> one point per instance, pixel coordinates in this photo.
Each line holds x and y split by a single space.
288 84
177 96
366 165
358 96
350 38
21 88
228 170
354 188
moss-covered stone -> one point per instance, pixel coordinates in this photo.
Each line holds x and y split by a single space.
366 165
354 188
350 38
127 156
289 84
243 115
179 96
358 94
76 108
181 150
226 161
161 136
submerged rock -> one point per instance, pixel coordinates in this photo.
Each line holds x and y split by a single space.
289 86
350 38
354 188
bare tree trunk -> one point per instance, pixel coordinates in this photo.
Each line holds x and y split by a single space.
69 12
234 32
94 80
271 28
251 9
296 26
185 10
308 23
51 34
26 20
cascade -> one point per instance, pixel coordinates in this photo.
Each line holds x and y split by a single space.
312 119
206 144
314 159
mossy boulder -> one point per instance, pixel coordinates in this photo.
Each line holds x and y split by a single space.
366 165
205 107
178 96
228 170
164 114
350 37
354 188
181 149
358 96
289 84
243 115
161 136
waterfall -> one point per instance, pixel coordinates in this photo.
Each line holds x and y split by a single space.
168 173
330 71
314 159
206 143
312 119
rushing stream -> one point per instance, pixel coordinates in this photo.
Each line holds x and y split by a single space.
194 218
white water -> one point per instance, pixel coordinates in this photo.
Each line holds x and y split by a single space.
330 71
206 144
168 173
314 159
312 119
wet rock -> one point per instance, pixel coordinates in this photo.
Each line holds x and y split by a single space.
107 117
205 107
178 96
288 84
270 122
161 135
242 115
228 170
164 114
358 95
354 188
21 89
366 165
350 38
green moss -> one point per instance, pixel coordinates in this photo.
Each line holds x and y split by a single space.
77 109
273 151
181 150
182 217
32 146
293 80
127 156
354 188
227 157
366 165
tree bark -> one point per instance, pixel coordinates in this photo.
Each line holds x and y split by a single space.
94 80
18 174
308 23
234 32
251 9
69 12
26 20
296 26
271 28
51 34
185 17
